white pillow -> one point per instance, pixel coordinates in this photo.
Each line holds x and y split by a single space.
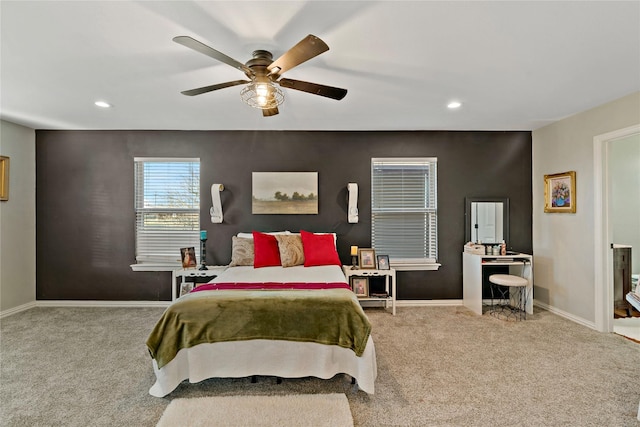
250 235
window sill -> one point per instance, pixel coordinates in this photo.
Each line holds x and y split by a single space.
148 266
415 267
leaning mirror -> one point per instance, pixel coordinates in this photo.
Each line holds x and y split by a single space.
486 219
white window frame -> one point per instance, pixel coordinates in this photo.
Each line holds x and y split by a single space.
418 206
166 260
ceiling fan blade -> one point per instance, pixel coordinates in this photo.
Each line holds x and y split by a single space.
268 112
314 88
206 89
307 48
194 44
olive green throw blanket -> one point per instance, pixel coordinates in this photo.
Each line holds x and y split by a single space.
325 316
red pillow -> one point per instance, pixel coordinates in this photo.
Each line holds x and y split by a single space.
319 249
265 248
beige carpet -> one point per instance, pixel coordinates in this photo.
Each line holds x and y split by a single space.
437 367
313 410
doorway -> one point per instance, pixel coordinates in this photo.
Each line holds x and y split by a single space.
607 219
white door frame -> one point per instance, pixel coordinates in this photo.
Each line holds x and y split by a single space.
602 227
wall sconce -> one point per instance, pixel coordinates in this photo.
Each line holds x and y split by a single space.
216 208
352 205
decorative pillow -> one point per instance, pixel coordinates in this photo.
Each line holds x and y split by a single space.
335 237
291 250
319 249
241 251
266 252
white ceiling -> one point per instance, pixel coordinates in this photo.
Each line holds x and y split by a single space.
514 65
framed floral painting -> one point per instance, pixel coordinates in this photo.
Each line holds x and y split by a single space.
560 192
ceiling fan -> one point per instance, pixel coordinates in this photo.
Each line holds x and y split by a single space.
264 73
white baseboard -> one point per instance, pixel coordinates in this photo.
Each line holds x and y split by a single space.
566 315
18 309
454 302
164 304
429 302
72 303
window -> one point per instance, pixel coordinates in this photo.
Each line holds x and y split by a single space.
404 211
167 202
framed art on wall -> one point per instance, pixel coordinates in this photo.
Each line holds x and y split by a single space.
284 193
4 178
560 192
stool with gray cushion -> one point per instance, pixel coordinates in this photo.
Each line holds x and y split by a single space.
512 295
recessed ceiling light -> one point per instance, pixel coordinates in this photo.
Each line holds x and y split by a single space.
454 104
102 104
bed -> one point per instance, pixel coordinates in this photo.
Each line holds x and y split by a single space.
287 321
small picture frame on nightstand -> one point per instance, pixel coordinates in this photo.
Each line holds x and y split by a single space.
360 286
383 262
186 287
188 257
367 258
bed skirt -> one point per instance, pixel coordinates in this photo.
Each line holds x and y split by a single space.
285 359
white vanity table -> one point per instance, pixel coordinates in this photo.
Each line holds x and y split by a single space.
472 277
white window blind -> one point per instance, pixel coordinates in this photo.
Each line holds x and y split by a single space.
404 211
167 203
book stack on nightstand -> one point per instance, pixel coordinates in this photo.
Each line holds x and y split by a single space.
389 294
379 294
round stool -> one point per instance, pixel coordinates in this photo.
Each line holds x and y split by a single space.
513 290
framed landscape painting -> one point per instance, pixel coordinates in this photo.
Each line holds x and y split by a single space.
284 193
560 192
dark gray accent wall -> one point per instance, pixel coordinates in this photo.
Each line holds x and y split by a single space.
85 235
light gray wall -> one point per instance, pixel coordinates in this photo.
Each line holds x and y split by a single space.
624 196
563 244
18 219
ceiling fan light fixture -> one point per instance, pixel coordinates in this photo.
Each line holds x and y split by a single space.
262 94
261 90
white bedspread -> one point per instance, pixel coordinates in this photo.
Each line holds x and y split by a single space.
299 273
285 359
